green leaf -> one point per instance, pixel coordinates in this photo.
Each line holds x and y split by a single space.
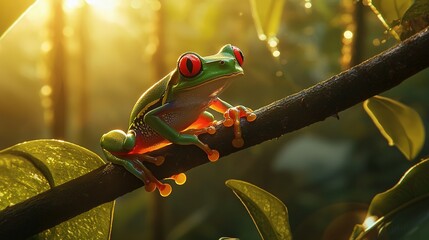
412 185
268 213
398 123
10 11
396 207
30 168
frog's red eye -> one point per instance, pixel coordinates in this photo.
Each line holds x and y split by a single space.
238 55
190 65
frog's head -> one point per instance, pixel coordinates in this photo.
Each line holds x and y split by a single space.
211 73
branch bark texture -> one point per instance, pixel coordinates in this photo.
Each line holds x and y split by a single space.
294 112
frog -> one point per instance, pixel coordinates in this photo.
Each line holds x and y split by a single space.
174 111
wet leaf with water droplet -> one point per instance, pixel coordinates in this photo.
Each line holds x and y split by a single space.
30 168
269 214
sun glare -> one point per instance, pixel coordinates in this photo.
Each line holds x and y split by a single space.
98 5
369 221
70 5
103 5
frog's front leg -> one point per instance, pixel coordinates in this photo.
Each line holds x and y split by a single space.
232 117
182 138
116 144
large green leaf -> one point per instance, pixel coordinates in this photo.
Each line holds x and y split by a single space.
400 212
398 123
269 214
10 11
30 168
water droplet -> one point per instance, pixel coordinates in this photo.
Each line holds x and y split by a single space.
262 37
348 34
273 41
46 90
376 42
276 53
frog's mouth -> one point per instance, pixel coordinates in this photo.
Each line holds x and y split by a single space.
222 81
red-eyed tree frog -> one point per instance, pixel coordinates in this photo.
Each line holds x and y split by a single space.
173 110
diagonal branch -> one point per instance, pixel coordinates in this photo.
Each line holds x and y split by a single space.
294 112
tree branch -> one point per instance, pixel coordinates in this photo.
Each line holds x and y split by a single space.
294 112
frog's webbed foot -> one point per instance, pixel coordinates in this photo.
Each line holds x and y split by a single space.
213 155
152 183
232 118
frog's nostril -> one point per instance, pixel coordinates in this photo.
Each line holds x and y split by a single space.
222 62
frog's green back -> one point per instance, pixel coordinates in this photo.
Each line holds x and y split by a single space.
151 97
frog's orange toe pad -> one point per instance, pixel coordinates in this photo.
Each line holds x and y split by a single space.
228 122
211 130
251 117
237 142
213 156
165 190
179 179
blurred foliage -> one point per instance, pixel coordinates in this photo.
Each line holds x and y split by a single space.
401 18
30 168
267 16
412 186
401 211
398 123
415 19
390 13
115 49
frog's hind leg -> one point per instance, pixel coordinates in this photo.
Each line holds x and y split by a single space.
204 124
158 160
138 169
